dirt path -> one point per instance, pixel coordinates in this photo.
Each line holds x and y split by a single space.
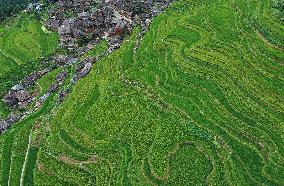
267 42
25 162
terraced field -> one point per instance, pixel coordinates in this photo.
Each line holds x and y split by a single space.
22 43
199 102
20 146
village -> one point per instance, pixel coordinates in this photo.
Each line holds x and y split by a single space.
81 26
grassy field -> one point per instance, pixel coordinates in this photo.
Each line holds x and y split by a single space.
22 44
200 102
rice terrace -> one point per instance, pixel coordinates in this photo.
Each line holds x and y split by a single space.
130 92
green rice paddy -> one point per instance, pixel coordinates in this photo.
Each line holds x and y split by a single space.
200 102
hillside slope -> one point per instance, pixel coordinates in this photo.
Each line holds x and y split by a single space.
198 102
22 44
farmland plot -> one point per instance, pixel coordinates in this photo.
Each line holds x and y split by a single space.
199 102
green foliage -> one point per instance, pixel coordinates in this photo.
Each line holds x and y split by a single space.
278 8
102 47
17 152
4 111
9 7
32 156
6 156
47 80
200 102
22 44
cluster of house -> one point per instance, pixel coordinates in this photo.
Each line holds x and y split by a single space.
37 7
85 21
13 118
81 24
19 96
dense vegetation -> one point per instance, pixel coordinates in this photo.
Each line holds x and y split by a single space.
199 102
22 44
10 7
278 9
